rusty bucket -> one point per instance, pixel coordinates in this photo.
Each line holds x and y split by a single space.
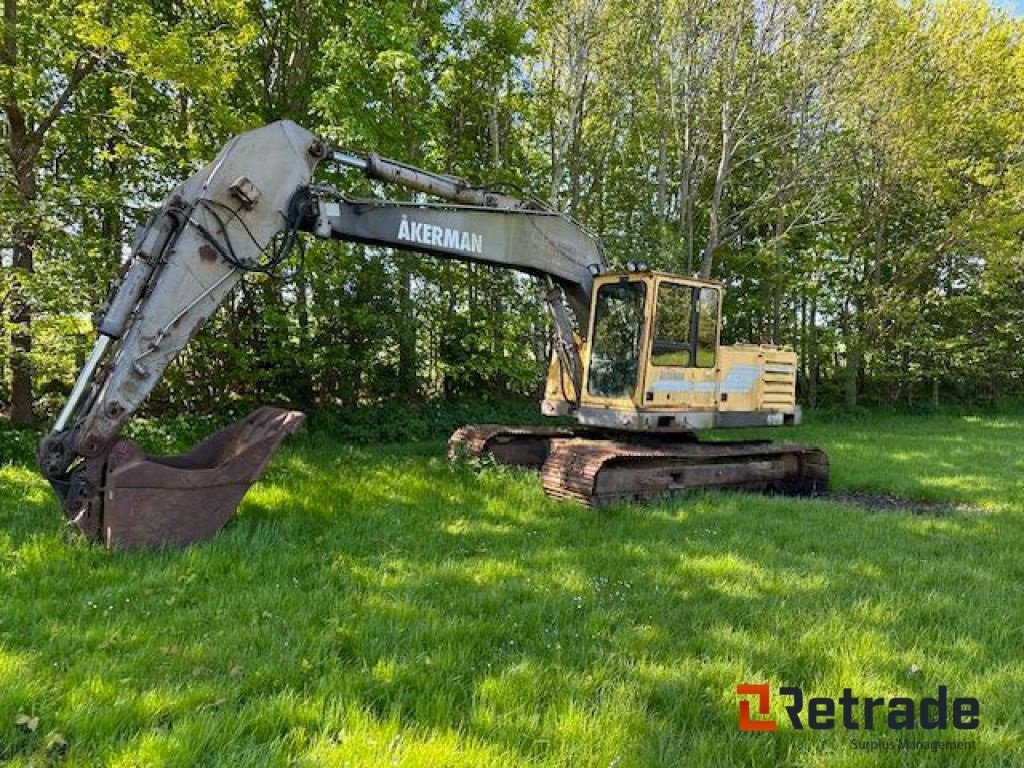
158 501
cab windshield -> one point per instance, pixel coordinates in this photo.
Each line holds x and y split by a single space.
615 346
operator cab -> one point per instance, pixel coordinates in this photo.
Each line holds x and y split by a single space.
653 341
645 321
653 361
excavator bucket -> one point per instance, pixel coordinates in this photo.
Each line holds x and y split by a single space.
158 501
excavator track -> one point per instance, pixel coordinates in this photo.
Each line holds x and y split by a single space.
514 446
597 469
602 472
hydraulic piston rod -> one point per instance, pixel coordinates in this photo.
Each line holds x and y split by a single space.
99 349
451 188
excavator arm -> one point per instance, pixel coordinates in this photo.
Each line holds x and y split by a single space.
241 213
540 243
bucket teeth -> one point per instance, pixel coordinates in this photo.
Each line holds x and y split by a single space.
157 501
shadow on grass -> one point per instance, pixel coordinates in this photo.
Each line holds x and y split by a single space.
385 587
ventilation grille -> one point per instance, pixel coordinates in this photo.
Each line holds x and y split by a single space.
779 384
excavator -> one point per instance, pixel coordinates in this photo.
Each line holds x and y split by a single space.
637 359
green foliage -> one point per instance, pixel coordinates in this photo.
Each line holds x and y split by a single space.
382 423
17 446
396 422
852 173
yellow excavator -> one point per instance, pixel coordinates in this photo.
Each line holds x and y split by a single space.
637 357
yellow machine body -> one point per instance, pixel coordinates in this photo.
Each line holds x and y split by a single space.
653 362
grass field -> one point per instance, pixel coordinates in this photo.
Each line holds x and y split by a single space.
377 607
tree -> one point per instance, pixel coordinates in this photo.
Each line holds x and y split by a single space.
33 100
94 91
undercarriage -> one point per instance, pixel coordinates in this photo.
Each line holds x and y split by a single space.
600 467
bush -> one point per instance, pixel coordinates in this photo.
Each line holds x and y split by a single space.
17 444
381 423
395 422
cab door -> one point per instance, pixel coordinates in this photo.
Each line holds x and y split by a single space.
682 361
617 344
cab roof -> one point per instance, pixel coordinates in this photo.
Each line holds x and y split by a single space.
612 275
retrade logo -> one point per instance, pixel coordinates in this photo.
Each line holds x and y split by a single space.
761 690
852 713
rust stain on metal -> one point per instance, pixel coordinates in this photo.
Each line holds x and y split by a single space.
157 501
207 252
596 468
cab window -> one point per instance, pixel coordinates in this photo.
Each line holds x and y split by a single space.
685 326
672 343
615 347
707 327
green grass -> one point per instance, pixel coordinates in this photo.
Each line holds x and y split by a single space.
377 607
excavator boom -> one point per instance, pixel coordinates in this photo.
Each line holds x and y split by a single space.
540 243
239 214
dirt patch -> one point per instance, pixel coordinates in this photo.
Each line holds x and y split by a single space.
887 502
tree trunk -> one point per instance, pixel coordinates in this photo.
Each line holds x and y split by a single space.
775 283
23 263
686 203
407 363
854 356
814 366
22 151
801 340
715 212
22 411
660 98
24 141
495 130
